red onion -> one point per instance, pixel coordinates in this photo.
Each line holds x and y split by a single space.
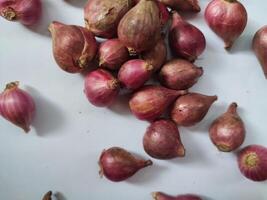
139 29
191 108
179 74
185 40
252 162
74 47
48 196
26 11
103 16
150 102
112 54
101 88
227 18
260 47
157 55
228 131
183 5
162 140
162 196
134 73
117 164
17 106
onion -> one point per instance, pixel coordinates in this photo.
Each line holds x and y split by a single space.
185 40
162 140
163 196
74 47
117 164
227 132
182 5
150 102
134 73
112 54
17 106
101 88
103 16
179 74
191 108
252 162
48 196
260 47
28 12
227 18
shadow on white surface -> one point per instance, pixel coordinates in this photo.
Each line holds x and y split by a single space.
121 105
59 196
77 3
49 117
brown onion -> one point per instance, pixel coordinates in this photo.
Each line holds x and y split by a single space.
139 29
117 164
28 12
150 102
157 55
103 16
134 73
260 48
101 88
191 108
227 18
185 40
112 54
17 106
163 196
252 162
179 74
183 5
228 132
162 140
74 47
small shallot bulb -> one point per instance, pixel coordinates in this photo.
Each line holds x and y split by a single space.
185 40
134 73
179 74
260 48
28 12
150 102
163 196
101 88
252 162
190 109
117 164
156 56
112 54
228 132
17 106
74 47
162 140
182 5
48 196
227 18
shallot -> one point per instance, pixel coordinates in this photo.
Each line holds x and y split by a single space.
183 5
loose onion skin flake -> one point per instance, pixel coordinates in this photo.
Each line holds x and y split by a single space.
163 196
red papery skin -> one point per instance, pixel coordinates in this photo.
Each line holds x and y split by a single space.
179 74
101 88
28 12
252 162
182 5
228 132
139 29
227 18
260 47
103 16
186 41
17 106
134 73
117 164
150 102
74 47
191 108
162 140
112 54
163 196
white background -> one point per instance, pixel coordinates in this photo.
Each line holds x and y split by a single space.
62 150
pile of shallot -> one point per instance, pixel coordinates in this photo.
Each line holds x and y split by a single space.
135 50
